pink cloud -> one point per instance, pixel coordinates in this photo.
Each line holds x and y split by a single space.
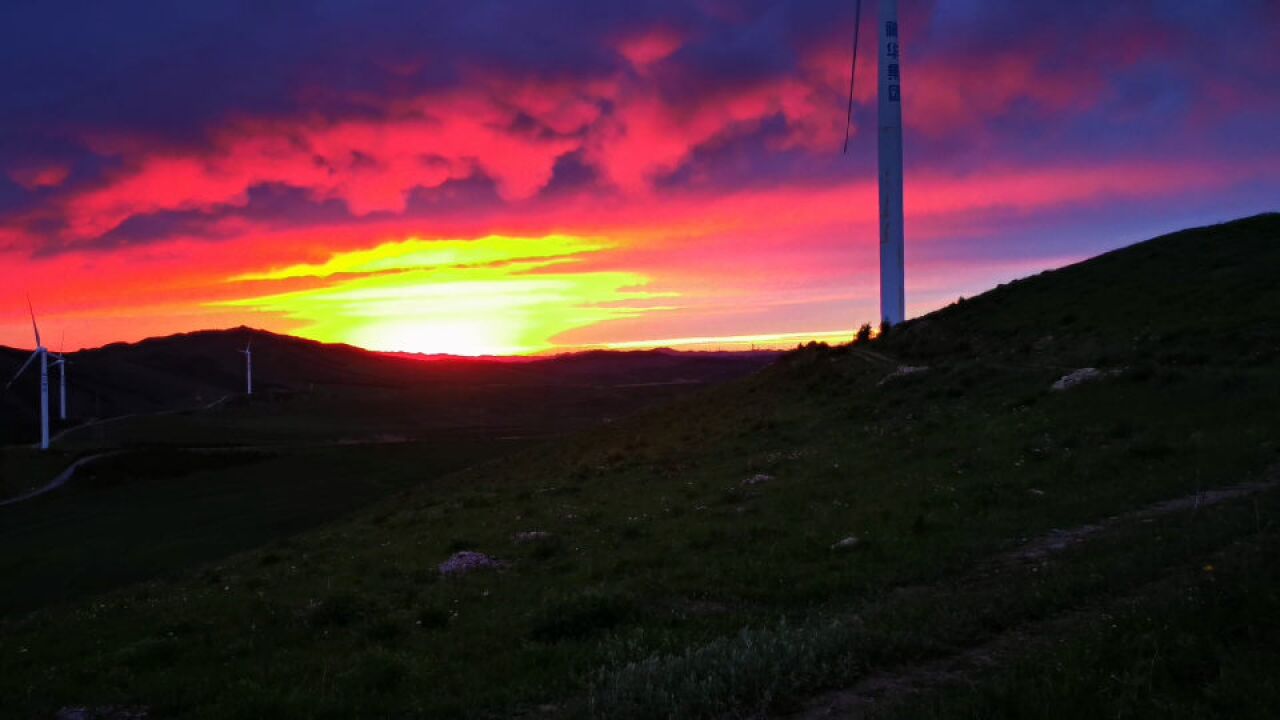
737 261
651 46
40 176
625 126
371 165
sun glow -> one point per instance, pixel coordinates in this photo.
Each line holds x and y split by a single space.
496 295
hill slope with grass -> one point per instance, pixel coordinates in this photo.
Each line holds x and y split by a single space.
916 526
196 369
330 429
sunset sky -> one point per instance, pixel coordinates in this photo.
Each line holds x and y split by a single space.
511 177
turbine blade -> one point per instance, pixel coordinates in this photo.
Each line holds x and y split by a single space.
853 73
22 369
34 327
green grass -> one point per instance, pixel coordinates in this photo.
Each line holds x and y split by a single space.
24 469
363 413
670 588
1203 644
153 512
779 667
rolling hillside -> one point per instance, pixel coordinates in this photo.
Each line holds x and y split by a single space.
194 369
917 526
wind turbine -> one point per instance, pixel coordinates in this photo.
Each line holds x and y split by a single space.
892 281
248 367
43 355
60 362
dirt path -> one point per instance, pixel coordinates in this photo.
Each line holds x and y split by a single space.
881 689
117 418
65 476
1058 540
61 478
873 357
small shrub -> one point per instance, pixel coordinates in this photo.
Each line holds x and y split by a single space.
581 616
375 672
149 654
1120 430
477 499
1151 448
433 618
920 525
459 545
863 334
729 677
632 531
384 630
334 611
547 548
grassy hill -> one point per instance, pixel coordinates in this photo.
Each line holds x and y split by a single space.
330 429
917 526
308 380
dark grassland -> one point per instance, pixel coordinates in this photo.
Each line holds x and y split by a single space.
152 512
669 588
186 480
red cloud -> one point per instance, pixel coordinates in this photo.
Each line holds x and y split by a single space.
781 250
372 165
42 176
651 46
953 97
625 125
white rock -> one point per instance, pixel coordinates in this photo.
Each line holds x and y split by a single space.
902 371
1070 380
757 479
461 563
846 544
531 536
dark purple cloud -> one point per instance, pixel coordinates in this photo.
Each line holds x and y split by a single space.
750 95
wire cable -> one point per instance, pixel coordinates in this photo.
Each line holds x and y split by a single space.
853 70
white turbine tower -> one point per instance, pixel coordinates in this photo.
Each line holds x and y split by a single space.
889 113
42 354
248 367
60 362
892 282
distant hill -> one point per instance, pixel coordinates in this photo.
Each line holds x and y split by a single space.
190 369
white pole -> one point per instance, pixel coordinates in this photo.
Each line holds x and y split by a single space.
248 366
44 399
62 387
892 292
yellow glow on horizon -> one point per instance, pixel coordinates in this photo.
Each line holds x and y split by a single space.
763 341
492 296
416 254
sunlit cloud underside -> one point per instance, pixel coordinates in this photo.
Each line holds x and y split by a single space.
495 295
